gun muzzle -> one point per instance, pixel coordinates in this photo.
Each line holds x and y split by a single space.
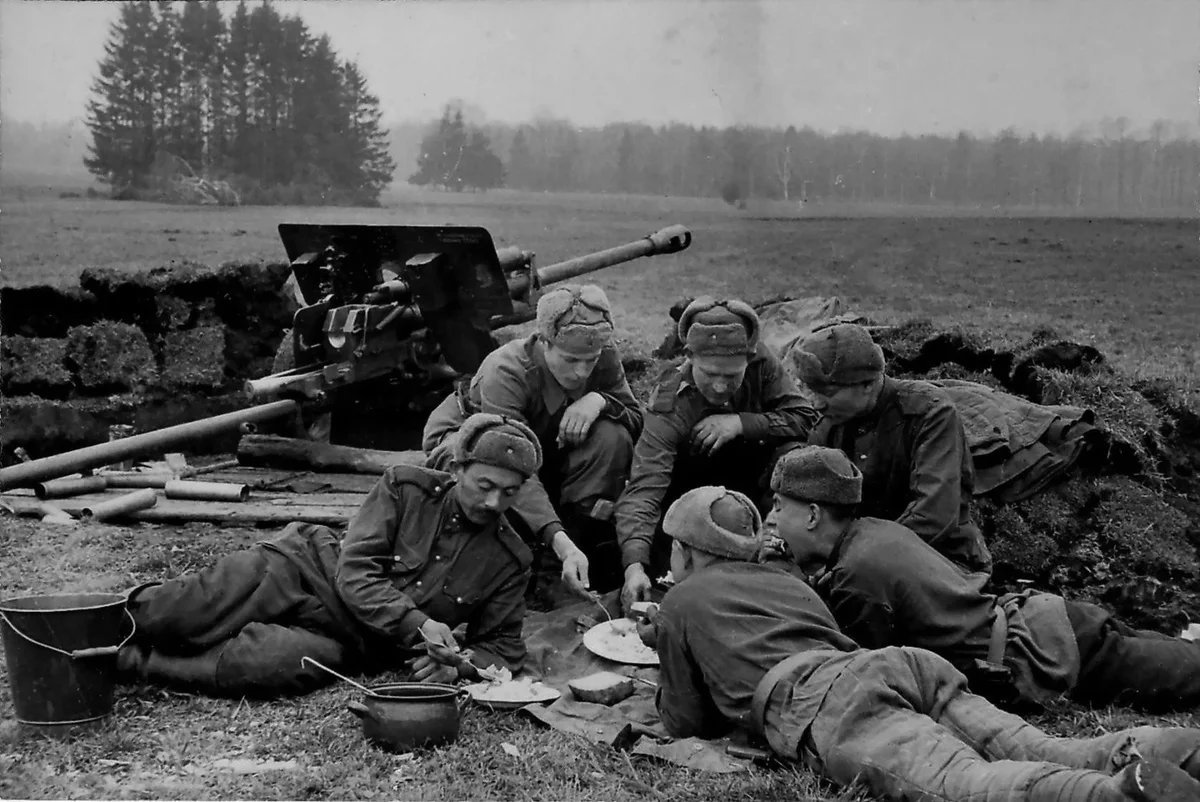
671 239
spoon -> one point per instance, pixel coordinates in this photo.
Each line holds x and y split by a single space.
463 657
363 688
600 604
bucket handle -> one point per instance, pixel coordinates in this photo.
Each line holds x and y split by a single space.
461 700
78 654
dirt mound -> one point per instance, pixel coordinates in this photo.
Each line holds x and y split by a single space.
1122 529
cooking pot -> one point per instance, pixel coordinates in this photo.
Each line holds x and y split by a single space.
405 715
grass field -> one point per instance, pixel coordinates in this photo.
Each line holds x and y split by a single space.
1126 286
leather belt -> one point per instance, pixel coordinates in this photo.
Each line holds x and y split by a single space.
762 692
998 643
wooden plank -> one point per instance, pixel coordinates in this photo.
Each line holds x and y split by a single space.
219 512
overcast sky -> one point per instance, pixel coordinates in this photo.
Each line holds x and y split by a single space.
889 66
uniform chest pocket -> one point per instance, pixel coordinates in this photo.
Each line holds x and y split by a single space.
465 591
404 564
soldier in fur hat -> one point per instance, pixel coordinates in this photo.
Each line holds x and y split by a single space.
716 419
905 436
747 645
427 552
567 383
886 586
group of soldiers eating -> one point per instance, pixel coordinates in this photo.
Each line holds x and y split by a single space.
828 587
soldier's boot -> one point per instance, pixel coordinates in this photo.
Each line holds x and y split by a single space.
131 659
196 672
1179 746
1157 781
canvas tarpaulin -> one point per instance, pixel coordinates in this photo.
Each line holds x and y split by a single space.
557 654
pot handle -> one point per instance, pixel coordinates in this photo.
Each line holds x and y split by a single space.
359 709
462 699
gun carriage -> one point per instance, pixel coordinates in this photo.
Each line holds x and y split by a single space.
391 316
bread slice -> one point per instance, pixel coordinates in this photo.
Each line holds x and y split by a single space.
603 687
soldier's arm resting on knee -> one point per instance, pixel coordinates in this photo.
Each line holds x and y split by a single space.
620 403
785 413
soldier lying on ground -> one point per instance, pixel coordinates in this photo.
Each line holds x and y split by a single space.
905 436
566 382
427 551
887 587
719 418
749 645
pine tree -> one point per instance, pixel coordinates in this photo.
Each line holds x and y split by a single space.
368 144
236 154
121 116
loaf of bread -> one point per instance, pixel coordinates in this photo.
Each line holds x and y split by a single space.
603 687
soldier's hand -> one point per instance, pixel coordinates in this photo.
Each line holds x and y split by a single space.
579 418
647 627
636 587
575 571
439 642
715 431
427 669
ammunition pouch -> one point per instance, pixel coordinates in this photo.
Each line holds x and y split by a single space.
994 683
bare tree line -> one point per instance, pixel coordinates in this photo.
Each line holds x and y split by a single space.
1113 170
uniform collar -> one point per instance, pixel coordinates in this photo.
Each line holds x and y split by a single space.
841 544
886 395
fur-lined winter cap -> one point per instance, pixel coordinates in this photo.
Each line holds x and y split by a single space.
818 474
719 328
716 520
836 356
500 441
575 318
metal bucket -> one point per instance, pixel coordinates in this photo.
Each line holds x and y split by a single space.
61 653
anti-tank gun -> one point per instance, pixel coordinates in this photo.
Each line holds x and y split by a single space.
402 311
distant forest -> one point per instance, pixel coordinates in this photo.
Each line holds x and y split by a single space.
1114 171
193 107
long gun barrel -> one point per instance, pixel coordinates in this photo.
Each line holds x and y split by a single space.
671 239
30 473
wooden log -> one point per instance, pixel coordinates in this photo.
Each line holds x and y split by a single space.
275 479
274 451
248 513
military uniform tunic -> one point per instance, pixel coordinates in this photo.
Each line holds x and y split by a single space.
898 719
771 411
887 587
410 554
242 625
514 381
912 451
